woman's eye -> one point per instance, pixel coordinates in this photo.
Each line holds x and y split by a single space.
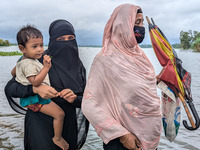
71 38
138 22
60 39
65 38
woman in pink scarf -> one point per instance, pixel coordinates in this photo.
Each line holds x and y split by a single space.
120 99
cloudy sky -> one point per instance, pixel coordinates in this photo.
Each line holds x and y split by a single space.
90 16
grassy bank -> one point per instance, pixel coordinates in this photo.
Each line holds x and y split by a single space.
10 53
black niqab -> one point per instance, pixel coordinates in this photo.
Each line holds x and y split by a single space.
65 57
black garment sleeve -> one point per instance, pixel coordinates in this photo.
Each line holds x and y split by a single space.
77 102
15 89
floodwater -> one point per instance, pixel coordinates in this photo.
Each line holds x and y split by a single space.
12 124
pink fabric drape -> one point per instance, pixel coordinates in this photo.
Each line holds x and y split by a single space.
120 95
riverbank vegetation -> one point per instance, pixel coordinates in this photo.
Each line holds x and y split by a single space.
4 43
10 53
190 40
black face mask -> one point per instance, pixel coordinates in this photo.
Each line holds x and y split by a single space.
139 33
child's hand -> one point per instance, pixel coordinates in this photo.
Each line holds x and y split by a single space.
13 72
47 61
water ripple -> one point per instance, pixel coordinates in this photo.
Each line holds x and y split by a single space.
12 124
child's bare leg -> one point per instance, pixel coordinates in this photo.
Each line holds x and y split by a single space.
53 110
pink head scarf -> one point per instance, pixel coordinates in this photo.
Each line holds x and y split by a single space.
120 95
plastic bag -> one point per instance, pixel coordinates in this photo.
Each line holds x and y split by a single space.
171 116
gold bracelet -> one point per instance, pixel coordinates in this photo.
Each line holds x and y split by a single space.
125 140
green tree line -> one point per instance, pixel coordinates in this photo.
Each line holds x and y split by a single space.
4 43
189 39
10 53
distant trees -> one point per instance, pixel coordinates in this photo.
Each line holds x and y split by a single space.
190 40
185 39
176 45
145 45
196 45
196 35
4 43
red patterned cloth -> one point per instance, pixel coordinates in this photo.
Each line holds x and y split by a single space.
35 107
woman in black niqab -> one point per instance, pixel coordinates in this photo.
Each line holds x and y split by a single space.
67 72
65 58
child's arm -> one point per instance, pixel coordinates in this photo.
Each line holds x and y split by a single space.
37 80
13 72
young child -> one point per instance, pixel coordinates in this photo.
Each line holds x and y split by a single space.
30 71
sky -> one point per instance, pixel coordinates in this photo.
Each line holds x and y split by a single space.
89 17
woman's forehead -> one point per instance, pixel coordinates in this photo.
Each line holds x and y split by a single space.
139 15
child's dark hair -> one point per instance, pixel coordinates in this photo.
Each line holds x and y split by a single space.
26 33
